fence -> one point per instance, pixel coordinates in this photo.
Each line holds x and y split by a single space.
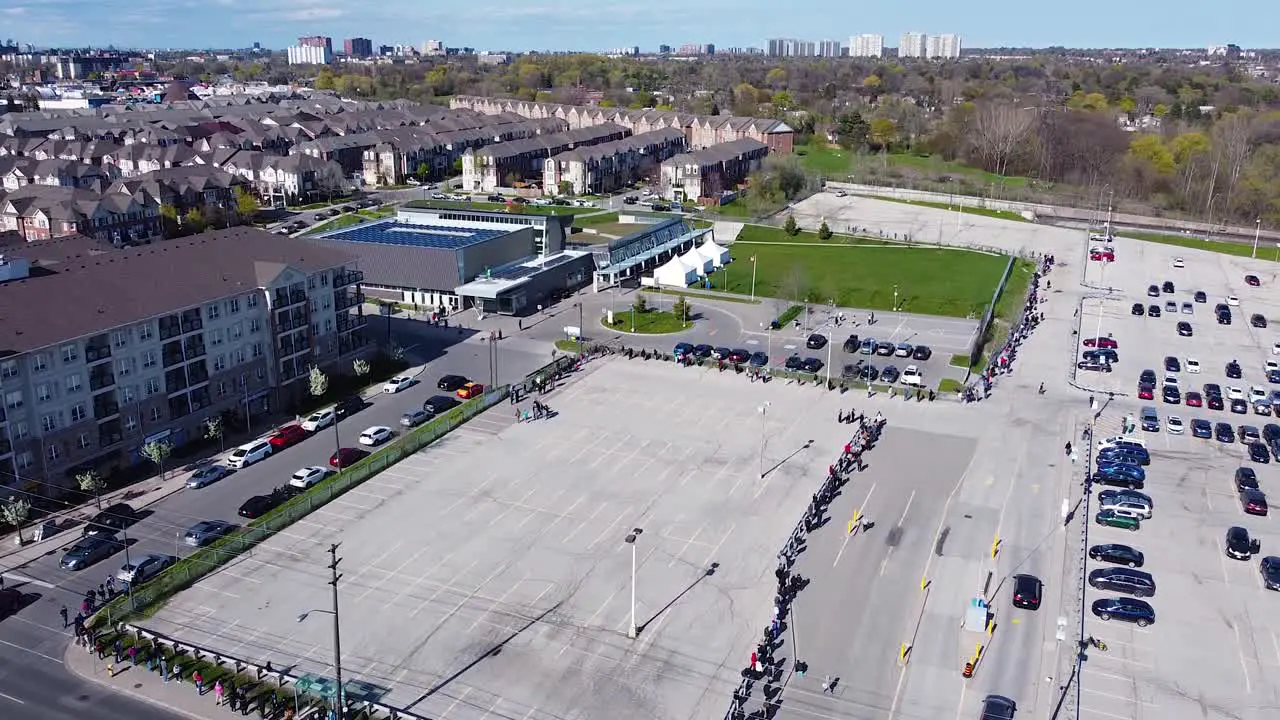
204 561
975 353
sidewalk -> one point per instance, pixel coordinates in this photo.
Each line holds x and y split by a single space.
136 682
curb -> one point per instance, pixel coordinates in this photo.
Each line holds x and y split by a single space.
71 667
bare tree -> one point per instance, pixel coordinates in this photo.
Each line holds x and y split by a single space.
1233 136
794 284
91 482
999 129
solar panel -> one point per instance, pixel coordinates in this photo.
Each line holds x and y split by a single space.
515 273
391 232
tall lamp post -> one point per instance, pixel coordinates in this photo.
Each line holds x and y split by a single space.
831 343
764 412
634 630
339 706
895 297
753 277
1257 232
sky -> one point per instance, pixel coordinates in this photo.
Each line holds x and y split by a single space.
607 24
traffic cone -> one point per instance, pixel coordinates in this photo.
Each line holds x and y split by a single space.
968 670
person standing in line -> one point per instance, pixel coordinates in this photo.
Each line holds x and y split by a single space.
198 679
826 684
217 693
63 612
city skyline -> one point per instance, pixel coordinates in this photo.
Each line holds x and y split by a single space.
575 25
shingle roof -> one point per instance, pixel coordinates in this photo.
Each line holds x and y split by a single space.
89 294
722 152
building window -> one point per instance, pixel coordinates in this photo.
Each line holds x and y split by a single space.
220 363
25 460
315 328
48 423
19 430
127 393
213 311
131 423
233 305
216 336
8 369
149 359
120 338
39 362
239 355
311 283
222 388
54 452
145 333
328 326
70 353
153 386
255 325
73 383
260 374
155 414
43 393
83 441
236 331
124 367
257 349
78 412
251 301
13 400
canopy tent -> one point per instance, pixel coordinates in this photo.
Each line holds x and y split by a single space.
697 261
718 255
676 273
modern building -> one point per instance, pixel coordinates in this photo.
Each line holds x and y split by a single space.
43 212
310 55
123 359
629 259
704 175
790 47
357 47
549 231
866 45
942 47
829 49
912 45
321 41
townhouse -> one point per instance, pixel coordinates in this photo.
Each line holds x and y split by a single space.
208 189
42 212
141 158
609 166
702 175
508 163
122 360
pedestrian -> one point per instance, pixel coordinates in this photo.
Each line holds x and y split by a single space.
164 668
100 648
217 693
198 679
118 647
826 684
133 654
63 612
177 670
111 585
754 658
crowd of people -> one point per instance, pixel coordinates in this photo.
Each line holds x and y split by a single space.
1002 360
764 666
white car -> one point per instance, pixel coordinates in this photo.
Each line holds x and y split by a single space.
1235 393
1177 262
396 384
1275 349
1171 380
1173 424
207 475
912 376
319 420
307 476
1233 301
1257 394
1121 440
375 435
1272 366
1192 365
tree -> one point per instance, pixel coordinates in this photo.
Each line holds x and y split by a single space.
790 227
247 205
640 305
317 382
1152 150
424 170
170 225
794 285
883 133
158 451
194 221
852 130
565 187
15 512
680 308
999 130
214 430
824 232
329 180
360 367
91 482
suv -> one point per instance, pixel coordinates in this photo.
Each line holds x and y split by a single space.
1149 418
112 518
440 404
851 345
1027 590
450 383
249 453
1111 518
348 406
1128 502
998 707
1240 546
1124 580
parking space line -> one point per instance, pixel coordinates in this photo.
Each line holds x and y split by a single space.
1111 695
1222 560
495 604
1208 500
602 455
675 558
1092 711
443 586
510 507
584 523
1122 678
365 567
1244 665
1126 661
248 639
489 712
863 509
711 556
449 711
561 515
608 529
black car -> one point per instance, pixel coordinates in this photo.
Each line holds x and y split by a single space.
259 505
112 518
438 404
1233 370
1239 546
1106 355
1139 309
1246 479
721 353
851 344
1213 402
1170 395
1123 580
1270 432
758 359
1224 432
1171 364
450 383
1270 568
1027 590
795 362
1094 366
812 365
1153 290
1240 407
1115 477
1167 287
1257 320
998 707
889 374
1147 376
850 371
816 342
702 351
1127 609
739 356
1224 317
1117 554
1201 297
1153 310
1259 453
1201 428
1184 329
868 373
921 352
347 406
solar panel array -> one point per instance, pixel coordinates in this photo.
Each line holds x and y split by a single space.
515 272
391 232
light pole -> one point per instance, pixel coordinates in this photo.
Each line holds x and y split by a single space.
753 277
339 707
1257 232
764 411
581 330
831 343
1110 208
895 297
631 540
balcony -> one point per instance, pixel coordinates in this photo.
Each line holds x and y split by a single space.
173 358
108 438
105 409
194 349
350 321
286 298
343 279
97 353
297 296
101 381
285 348
343 300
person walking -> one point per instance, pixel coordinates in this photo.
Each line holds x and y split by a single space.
118 648
164 668
63 612
826 684
217 693
198 679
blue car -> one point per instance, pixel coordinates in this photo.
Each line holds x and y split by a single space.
1114 479
682 349
1128 456
1122 469
1127 609
1201 428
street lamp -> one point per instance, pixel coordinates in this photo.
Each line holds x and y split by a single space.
631 540
1257 232
764 411
831 343
338 704
753 277
895 297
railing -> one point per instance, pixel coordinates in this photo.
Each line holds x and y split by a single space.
346 278
102 411
100 381
351 322
343 300
97 354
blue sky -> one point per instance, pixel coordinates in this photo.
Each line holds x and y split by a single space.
604 24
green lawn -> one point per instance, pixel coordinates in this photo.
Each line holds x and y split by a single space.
1267 249
601 219
649 322
828 161
964 210
337 223
932 281
736 209
771 234
526 209
1007 306
936 166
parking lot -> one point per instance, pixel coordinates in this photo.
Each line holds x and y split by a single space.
1214 649
488 575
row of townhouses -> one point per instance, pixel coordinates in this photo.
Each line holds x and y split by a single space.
609 166
702 131
509 164
121 360
703 175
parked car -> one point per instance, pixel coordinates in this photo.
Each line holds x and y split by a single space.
207 475
921 353
816 341
249 453
1138 309
1200 297
450 383
375 436
1258 320
1123 580
738 356
1111 518
90 549
889 374
307 476
205 532
1253 502
398 383
439 404
1123 501
1106 343
1117 554
319 420
144 568
758 360
346 457
414 418
885 349
1131 610
851 344
287 435
1252 280
1239 545
1184 329
1202 429
470 390
998 707
903 350
1270 568
110 519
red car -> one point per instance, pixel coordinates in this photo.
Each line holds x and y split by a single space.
346 457
1146 391
1193 399
1252 280
286 436
1101 343
1102 255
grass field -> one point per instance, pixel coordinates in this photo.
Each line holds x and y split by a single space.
592 220
1007 307
984 212
835 163
736 209
338 223
771 234
618 229
932 281
649 322
1267 249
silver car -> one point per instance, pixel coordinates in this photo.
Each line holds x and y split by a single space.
207 475
414 418
140 571
206 531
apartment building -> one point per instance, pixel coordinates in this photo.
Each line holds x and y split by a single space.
42 212
140 158
610 166
17 172
912 45
829 49
708 132
125 360
866 45
943 47
505 164
281 180
703 175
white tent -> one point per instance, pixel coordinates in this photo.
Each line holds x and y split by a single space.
698 261
676 273
718 255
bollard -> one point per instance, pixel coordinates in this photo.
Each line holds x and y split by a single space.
902 652
968 670
924 582
995 546
111 670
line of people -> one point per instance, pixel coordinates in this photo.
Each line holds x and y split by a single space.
1002 360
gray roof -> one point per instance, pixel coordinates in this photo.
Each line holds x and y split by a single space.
547 145
723 152
617 147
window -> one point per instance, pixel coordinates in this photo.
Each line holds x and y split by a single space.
149 359
127 393
257 349
222 388
124 367
43 393
70 353
19 430
260 374
73 383
78 412
145 332
13 400
311 283
8 369
155 414
328 326
315 328
216 336
240 355
120 338
49 423
220 363
324 280
54 452
153 386
236 332
39 362
233 305
83 441
251 301
255 325
328 301
213 311
131 423
25 460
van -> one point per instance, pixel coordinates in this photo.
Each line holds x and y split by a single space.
249 453
1149 418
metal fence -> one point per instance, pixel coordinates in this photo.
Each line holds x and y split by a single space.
205 560
975 352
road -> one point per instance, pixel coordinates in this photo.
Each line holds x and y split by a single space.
32 642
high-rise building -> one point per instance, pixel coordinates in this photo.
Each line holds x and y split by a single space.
433 47
942 47
912 45
829 48
866 46
317 41
357 47
310 55
664 49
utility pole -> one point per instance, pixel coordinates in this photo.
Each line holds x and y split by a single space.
1257 232
339 706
